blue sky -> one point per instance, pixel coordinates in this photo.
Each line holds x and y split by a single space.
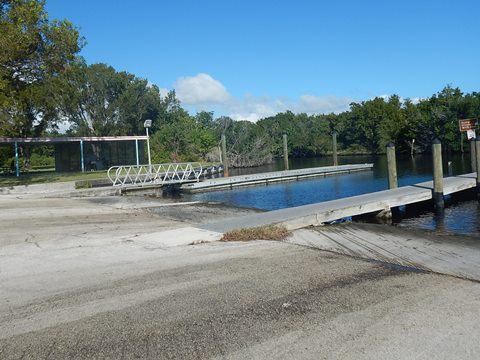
250 59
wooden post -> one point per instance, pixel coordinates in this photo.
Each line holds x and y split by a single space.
224 157
392 166
438 200
473 157
285 151
334 141
450 169
477 150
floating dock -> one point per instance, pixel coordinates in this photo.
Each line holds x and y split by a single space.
325 212
270 177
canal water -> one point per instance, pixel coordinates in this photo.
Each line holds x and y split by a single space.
460 216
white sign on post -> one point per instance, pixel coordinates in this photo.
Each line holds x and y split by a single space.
471 134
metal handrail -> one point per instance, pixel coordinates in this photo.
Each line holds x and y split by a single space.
159 174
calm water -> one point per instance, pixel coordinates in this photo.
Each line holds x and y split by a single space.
410 171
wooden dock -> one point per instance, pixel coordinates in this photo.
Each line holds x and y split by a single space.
325 212
271 177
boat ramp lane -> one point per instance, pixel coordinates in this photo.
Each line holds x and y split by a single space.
328 211
270 177
422 250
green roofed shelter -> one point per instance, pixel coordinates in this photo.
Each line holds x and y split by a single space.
86 153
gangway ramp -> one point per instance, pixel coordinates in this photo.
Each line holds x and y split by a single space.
155 174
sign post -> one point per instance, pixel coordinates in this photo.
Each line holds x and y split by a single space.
468 126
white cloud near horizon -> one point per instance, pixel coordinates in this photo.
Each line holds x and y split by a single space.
414 100
203 92
326 104
200 89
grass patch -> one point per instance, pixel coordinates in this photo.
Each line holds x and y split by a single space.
268 232
49 177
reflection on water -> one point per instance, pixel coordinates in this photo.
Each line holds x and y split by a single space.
460 217
289 194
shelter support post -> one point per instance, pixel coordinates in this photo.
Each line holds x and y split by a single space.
81 156
136 152
17 164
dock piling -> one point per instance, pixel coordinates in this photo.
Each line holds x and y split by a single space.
438 200
473 156
392 167
477 151
334 142
285 151
224 157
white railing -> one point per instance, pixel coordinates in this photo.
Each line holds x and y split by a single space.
155 174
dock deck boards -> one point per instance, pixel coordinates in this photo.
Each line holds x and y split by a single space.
319 213
270 177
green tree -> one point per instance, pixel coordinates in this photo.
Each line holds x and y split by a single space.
246 144
447 106
179 136
100 101
34 53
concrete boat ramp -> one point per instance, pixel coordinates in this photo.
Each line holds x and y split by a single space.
414 249
444 254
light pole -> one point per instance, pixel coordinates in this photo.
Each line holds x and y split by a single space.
147 124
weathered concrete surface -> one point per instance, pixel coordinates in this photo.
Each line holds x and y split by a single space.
38 188
320 213
444 254
35 219
257 300
94 278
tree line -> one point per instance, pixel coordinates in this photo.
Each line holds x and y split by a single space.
44 83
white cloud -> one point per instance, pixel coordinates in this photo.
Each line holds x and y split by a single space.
414 100
203 92
254 108
200 89
311 104
163 92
